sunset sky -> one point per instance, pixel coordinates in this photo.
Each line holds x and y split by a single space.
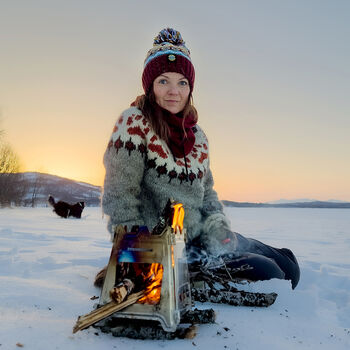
272 87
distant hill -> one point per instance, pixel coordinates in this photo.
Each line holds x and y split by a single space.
312 204
296 200
36 187
303 200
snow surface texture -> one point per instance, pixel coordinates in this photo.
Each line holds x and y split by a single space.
48 264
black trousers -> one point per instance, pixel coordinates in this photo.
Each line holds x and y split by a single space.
265 262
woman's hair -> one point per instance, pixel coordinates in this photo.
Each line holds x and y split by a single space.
157 116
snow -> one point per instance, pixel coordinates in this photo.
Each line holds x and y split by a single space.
48 264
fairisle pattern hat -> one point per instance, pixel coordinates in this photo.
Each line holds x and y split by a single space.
168 54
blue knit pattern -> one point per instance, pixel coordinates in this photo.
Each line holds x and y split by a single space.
166 52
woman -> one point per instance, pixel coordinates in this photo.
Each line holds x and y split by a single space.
158 151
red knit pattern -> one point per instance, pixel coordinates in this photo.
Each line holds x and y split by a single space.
203 156
136 130
153 138
130 120
158 149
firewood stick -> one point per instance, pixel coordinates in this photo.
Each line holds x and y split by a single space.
122 290
104 311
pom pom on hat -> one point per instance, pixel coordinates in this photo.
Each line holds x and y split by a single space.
168 54
169 35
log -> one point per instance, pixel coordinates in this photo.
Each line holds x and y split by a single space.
235 298
122 290
104 311
208 286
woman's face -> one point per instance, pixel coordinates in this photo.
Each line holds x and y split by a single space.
171 91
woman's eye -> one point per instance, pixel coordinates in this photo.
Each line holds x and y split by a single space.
162 81
183 83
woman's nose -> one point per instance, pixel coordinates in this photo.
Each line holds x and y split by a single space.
173 90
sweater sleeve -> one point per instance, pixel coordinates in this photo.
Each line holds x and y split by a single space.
216 223
124 162
211 203
216 227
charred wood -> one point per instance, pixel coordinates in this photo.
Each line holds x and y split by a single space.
197 316
208 286
138 329
236 298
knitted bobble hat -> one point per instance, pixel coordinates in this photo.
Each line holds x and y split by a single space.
168 54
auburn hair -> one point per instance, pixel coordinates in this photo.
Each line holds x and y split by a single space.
157 117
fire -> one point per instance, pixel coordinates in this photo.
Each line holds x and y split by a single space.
153 280
178 218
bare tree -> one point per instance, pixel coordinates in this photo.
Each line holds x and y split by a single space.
10 188
37 187
9 161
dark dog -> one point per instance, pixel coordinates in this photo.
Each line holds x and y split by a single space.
65 209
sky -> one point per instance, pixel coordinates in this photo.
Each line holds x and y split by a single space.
272 87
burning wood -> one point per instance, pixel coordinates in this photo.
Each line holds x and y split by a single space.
133 277
153 285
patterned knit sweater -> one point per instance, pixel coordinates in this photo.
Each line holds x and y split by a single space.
142 174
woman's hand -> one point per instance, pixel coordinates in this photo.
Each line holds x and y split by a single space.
222 242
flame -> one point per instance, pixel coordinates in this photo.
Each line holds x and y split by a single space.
178 218
153 281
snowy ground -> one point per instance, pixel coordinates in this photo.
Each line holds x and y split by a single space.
47 267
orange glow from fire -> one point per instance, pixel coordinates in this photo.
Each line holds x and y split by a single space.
154 284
